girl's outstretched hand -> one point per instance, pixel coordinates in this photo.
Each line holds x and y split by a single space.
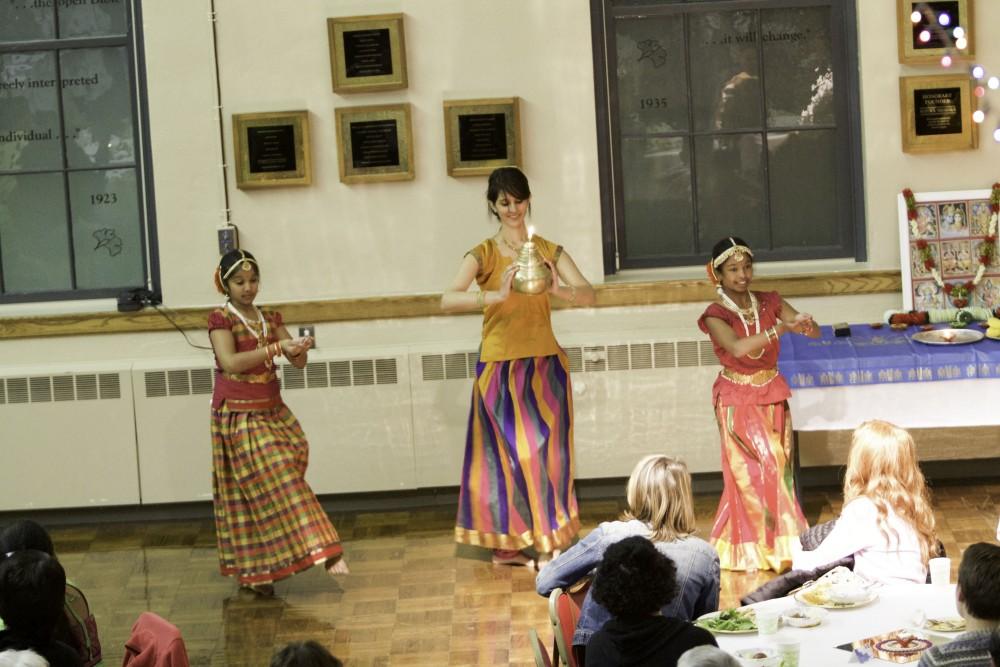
803 323
293 347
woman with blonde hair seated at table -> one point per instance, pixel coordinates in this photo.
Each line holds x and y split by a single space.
887 523
661 509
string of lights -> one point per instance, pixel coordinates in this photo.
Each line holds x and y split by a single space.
936 28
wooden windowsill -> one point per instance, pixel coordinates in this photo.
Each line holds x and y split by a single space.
427 305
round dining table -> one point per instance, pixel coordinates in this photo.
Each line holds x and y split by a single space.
897 607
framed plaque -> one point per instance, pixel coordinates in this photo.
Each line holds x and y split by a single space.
936 113
939 19
481 135
367 53
375 143
271 149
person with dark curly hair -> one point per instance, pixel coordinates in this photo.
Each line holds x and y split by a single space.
304 654
633 582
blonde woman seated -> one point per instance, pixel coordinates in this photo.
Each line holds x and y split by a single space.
660 508
886 523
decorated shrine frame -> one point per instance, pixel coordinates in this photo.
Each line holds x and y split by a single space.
940 248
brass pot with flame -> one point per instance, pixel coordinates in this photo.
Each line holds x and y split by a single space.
533 275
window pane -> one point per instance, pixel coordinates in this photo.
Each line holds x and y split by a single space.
22 21
652 84
657 177
798 66
803 171
34 240
107 237
29 112
730 189
98 107
725 77
93 18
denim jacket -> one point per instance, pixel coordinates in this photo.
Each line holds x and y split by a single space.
697 574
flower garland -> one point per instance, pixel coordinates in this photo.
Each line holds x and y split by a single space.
958 292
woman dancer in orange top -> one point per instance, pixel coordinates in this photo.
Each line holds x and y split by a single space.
517 478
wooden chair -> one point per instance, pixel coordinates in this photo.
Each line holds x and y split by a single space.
542 657
564 612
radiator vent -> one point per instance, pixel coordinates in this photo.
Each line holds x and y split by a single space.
341 373
178 382
453 366
588 359
60 388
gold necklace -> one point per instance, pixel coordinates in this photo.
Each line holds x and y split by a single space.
513 248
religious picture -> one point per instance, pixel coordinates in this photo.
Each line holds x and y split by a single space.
988 293
956 258
917 267
982 249
926 221
927 295
979 217
943 236
954 219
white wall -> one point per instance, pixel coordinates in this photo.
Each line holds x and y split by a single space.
331 240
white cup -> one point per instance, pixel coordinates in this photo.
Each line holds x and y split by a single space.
788 651
767 620
940 570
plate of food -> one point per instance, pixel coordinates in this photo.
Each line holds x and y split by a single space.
803 617
758 657
830 597
729 622
950 624
948 336
903 644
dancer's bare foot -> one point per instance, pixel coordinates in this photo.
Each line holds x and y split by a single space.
512 557
337 566
263 590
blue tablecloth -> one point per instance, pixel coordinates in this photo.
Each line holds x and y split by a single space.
881 356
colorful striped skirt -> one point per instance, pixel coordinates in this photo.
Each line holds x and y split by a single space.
517 478
268 522
758 516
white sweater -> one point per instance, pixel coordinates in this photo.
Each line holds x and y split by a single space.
875 558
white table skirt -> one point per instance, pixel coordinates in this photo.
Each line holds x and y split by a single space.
906 404
893 610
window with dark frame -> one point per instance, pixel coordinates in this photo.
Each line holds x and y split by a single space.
727 117
75 199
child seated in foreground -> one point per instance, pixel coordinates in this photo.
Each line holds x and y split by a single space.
886 523
660 509
633 582
977 597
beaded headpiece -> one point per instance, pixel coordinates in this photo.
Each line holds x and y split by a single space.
244 263
736 251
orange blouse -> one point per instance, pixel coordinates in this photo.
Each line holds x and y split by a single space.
521 326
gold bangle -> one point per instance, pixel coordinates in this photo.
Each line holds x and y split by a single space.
481 299
572 294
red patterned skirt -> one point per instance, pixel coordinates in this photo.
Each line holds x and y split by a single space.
268 522
759 515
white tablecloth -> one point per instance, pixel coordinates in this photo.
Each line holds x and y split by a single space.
893 610
906 404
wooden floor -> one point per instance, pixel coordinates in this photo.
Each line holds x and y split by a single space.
413 597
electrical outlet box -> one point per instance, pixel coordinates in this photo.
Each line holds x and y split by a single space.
229 239
308 330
